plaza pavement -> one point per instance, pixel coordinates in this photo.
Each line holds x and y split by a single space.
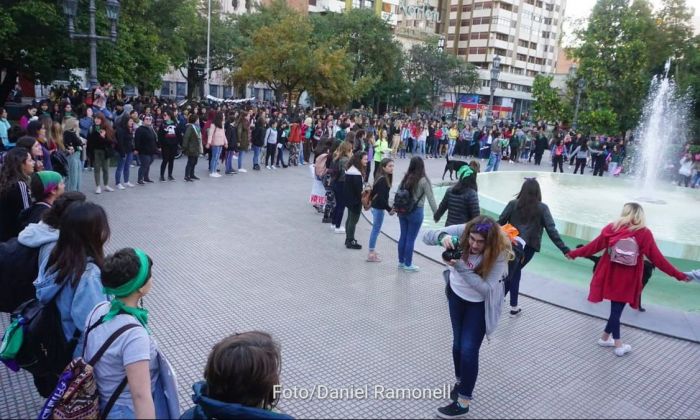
247 252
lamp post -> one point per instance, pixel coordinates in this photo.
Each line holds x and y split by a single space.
580 85
206 70
436 92
495 71
70 9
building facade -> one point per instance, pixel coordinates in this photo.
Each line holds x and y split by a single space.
523 33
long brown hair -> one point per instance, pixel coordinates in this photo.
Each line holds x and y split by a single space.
416 172
388 178
496 242
244 368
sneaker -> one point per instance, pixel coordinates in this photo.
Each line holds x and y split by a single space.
373 257
515 312
411 268
231 172
150 181
98 190
273 167
188 179
108 188
242 170
141 183
268 167
214 175
170 178
452 411
622 350
339 230
162 179
195 178
609 343
120 187
326 220
129 184
352 244
401 265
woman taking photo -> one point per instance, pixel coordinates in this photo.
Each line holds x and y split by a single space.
474 297
99 148
354 180
72 279
618 275
418 184
133 358
460 201
15 171
380 203
530 216
74 147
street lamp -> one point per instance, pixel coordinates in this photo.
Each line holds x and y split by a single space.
495 71
580 85
70 9
441 44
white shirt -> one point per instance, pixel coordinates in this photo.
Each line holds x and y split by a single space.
460 287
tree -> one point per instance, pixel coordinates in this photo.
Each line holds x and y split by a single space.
463 77
428 71
547 104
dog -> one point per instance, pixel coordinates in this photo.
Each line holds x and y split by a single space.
648 272
452 166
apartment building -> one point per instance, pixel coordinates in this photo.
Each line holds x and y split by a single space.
523 33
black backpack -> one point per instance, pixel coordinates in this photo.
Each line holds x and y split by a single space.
59 162
19 266
403 201
45 352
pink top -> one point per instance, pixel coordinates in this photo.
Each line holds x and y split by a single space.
216 136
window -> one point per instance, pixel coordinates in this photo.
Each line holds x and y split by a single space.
549 62
501 37
533 45
547 21
481 21
554 35
467 8
549 6
515 9
539 61
312 2
551 48
523 43
453 8
499 51
545 34
465 22
463 37
538 3
521 57
557 8
450 37
531 59
228 92
518 70
531 73
479 50
531 2
462 51
214 90
165 89
453 22
506 6
181 89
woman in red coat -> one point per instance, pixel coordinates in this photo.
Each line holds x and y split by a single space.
619 283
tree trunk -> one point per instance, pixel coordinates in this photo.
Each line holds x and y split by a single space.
9 81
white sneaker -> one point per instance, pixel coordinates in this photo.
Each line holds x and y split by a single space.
242 170
622 350
214 175
268 167
129 184
98 190
273 167
609 343
120 187
108 188
339 230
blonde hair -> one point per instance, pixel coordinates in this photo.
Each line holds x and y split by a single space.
57 135
70 124
345 149
632 217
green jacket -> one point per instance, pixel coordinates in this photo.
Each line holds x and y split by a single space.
379 147
192 141
243 140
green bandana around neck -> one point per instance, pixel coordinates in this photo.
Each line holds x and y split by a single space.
127 289
464 172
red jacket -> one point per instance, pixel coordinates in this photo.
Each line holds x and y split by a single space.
295 133
617 282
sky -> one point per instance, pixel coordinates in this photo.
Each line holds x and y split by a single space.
582 8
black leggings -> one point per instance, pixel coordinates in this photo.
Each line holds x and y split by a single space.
613 325
189 168
270 154
580 163
168 151
558 161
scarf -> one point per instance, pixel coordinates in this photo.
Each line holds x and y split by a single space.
126 289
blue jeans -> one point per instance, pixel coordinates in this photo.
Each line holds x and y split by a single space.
214 162
494 161
410 225
377 220
241 153
451 147
468 330
695 183
420 147
74 172
256 155
301 153
229 161
613 325
123 165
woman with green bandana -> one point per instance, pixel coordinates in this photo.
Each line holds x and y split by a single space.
132 372
461 201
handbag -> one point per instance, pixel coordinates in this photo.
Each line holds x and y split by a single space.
366 198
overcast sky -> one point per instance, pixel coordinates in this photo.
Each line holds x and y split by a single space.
576 9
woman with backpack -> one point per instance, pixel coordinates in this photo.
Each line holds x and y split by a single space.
474 291
72 279
460 201
380 203
354 180
618 275
340 160
133 358
15 171
530 216
416 186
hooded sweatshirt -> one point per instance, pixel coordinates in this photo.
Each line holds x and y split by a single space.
209 408
42 236
74 303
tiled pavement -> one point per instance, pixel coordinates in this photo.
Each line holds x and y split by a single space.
248 252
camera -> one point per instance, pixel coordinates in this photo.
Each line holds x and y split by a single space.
452 254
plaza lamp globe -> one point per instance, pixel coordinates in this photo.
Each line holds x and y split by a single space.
70 8
113 7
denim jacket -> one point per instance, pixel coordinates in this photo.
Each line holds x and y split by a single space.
73 303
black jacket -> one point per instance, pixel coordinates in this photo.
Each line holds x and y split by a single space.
12 201
461 207
259 135
353 189
125 141
380 194
145 140
531 232
71 139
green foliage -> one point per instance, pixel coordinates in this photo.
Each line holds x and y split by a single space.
547 104
599 121
462 78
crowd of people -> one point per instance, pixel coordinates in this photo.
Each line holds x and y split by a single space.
98 297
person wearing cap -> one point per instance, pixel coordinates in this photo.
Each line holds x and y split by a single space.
46 187
132 367
461 201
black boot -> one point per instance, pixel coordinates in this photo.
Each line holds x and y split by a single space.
352 244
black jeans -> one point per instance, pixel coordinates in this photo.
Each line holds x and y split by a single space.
580 163
145 167
351 222
338 189
189 168
613 325
599 166
280 157
514 284
558 161
538 157
270 154
169 151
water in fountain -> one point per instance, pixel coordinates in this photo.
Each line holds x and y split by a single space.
663 125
